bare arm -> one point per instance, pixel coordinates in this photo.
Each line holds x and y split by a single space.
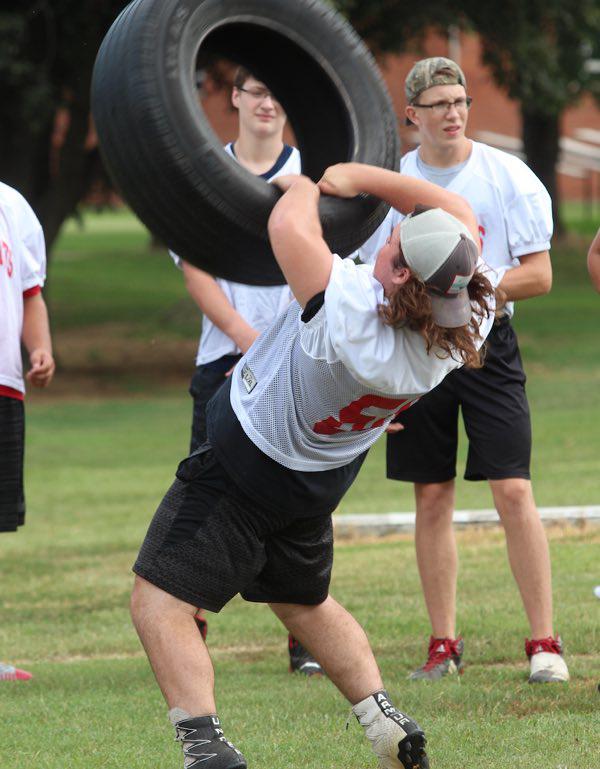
37 340
402 192
533 277
593 261
208 295
297 238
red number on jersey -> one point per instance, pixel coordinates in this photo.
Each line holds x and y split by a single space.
354 417
481 235
6 257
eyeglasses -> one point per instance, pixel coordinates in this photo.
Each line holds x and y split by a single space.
443 107
260 94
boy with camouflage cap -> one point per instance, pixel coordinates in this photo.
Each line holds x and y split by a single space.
515 225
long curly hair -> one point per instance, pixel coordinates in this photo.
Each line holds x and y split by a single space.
410 305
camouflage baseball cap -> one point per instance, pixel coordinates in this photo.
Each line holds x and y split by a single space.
429 72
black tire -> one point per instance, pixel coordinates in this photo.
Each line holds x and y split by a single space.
170 166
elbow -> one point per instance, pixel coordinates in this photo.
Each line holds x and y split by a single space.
593 265
278 223
283 223
545 284
595 281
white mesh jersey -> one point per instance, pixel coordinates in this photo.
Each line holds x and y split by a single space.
315 395
512 206
22 273
258 305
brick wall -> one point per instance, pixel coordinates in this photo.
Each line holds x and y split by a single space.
492 110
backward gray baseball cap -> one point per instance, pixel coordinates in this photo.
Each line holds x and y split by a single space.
440 250
429 72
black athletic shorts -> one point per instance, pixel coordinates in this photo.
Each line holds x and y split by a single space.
207 379
209 541
12 441
496 416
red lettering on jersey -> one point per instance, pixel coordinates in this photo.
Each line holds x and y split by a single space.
6 258
353 418
481 234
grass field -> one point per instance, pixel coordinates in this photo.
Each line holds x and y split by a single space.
124 325
101 451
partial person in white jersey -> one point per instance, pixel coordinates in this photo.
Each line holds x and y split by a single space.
593 261
250 511
24 321
234 314
514 218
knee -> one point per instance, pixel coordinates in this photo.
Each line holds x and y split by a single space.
513 498
294 612
435 502
143 604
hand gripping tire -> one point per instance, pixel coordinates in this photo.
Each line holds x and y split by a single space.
171 168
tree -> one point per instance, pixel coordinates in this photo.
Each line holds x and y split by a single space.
47 53
536 49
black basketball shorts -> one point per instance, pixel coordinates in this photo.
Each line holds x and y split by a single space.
208 541
207 379
12 441
495 413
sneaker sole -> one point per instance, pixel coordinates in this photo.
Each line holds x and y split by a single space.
453 669
546 677
309 669
411 751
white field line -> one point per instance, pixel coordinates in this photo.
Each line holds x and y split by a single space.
390 523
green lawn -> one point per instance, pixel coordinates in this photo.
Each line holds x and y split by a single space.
97 465
121 315
93 700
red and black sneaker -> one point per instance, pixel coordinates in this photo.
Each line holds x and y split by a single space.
546 661
301 660
202 623
444 658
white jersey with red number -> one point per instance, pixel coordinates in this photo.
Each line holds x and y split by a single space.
258 305
512 206
315 395
22 273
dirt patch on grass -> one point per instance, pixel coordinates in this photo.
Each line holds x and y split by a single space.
111 361
113 347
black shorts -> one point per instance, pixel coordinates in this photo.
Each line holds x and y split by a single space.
12 442
208 541
496 416
207 379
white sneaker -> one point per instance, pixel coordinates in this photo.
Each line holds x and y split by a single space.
397 740
546 661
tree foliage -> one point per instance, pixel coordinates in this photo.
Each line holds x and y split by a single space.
47 52
537 51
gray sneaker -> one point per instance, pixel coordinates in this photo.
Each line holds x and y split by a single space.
444 658
397 740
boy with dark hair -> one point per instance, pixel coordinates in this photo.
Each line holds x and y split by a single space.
234 314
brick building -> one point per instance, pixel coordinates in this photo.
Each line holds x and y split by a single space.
493 112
